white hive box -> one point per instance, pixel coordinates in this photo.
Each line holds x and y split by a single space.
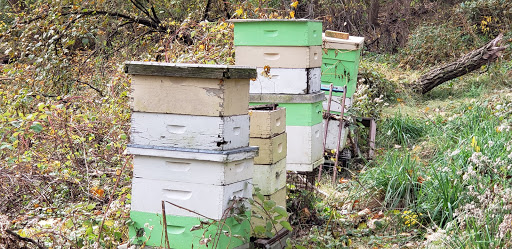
305 147
280 198
191 89
208 200
336 103
192 171
332 135
267 123
193 154
352 43
188 131
287 80
270 177
279 57
271 150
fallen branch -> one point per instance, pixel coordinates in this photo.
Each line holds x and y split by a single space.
24 239
466 64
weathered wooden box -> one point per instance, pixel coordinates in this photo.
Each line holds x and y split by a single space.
301 109
270 177
277 32
279 57
287 81
190 131
332 135
267 123
192 171
305 147
179 232
279 197
336 104
205 199
193 154
191 89
271 149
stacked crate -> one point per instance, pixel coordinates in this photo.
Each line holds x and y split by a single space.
190 141
340 65
268 132
287 54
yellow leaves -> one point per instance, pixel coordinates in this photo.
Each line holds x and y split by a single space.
474 144
294 4
239 11
292 14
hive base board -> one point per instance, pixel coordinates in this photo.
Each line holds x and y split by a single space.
192 171
190 131
208 200
270 177
179 234
304 167
305 144
287 81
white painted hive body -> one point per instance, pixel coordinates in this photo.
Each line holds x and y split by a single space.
187 131
332 135
287 81
279 57
208 200
336 103
270 177
305 144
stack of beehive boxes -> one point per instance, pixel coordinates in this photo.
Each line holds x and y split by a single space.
268 133
340 66
190 141
288 57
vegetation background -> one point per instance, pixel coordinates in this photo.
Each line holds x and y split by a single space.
441 178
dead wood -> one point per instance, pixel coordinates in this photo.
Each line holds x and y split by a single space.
466 64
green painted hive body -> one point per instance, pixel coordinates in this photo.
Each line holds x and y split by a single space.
278 32
340 67
301 114
179 234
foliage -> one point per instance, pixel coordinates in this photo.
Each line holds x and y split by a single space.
271 214
488 17
432 45
401 130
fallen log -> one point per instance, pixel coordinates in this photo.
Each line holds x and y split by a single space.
466 64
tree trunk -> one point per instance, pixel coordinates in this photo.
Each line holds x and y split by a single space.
373 14
466 64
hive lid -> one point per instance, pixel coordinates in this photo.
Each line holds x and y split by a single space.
208 71
352 43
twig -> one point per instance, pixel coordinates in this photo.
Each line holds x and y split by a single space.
165 226
29 240
109 203
192 211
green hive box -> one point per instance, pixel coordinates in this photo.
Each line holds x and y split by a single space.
301 110
277 32
340 68
179 234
